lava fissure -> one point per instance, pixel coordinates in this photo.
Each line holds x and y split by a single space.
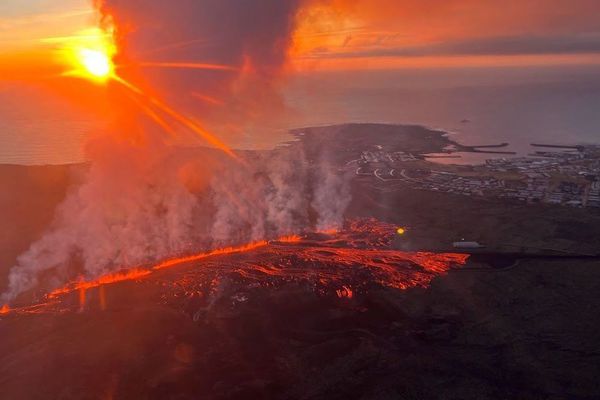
343 264
140 272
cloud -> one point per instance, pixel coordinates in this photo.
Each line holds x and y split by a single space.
408 28
497 46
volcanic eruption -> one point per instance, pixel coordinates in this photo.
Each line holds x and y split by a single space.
168 221
342 263
144 199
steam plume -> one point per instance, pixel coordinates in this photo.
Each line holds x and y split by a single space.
140 205
144 200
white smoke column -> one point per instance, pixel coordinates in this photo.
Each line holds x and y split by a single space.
331 196
136 205
287 197
265 201
130 210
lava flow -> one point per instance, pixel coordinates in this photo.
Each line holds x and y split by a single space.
137 273
125 275
344 264
227 250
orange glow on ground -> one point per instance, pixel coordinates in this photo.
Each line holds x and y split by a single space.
332 231
82 298
226 250
381 262
102 297
345 293
137 273
5 309
128 275
289 239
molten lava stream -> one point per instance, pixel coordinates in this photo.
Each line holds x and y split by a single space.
327 264
217 252
289 239
127 275
137 273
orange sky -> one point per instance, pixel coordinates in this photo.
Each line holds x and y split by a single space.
355 34
338 35
32 34
24 23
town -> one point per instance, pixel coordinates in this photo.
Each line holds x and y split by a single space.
563 175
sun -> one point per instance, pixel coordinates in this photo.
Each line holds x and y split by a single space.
96 63
89 55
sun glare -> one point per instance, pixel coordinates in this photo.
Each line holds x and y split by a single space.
89 55
96 62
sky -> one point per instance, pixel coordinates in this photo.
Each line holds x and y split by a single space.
396 33
354 34
362 36
24 23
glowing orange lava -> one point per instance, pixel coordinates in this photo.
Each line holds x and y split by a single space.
128 275
136 273
290 239
344 293
332 231
336 265
5 309
217 252
344 270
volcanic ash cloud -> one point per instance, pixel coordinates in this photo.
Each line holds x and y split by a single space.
251 38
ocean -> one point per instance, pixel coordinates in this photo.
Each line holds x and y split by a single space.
475 106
